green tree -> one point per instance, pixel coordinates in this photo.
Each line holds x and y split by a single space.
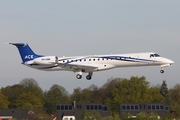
31 85
28 101
3 100
76 95
137 89
12 93
154 94
24 86
56 94
86 95
48 106
174 94
109 86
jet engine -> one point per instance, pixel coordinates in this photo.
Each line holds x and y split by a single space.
47 60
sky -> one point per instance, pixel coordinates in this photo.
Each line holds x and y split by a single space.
75 28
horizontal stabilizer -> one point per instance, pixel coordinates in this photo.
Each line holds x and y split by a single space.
18 44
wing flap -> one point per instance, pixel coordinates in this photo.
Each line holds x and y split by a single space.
78 66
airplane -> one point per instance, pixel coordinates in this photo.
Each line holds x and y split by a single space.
91 63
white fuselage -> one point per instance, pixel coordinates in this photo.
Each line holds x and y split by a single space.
89 64
103 62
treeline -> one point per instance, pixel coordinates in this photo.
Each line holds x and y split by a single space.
28 95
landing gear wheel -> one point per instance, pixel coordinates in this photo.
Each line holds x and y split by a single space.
161 71
88 77
78 76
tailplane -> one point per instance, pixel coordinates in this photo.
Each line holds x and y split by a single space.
25 51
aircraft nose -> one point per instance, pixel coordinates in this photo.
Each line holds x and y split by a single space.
171 62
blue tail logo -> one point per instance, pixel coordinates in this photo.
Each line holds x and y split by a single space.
25 52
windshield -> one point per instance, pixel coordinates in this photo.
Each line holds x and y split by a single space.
154 55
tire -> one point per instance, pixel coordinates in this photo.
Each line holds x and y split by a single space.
78 76
88 77
161 71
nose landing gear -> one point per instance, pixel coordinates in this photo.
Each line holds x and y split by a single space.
161 71
78 76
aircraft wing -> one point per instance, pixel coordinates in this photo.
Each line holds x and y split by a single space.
77 67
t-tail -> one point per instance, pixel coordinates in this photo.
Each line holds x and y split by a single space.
26 52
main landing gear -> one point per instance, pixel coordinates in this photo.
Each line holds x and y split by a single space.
88 77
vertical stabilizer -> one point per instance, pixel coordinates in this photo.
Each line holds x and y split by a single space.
25 51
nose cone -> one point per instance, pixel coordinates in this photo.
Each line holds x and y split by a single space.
170 61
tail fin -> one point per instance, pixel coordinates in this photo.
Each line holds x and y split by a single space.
25 51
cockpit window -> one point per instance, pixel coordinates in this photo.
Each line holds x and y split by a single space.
151 55
156 55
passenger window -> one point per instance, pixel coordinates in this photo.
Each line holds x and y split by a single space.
94 59
89 59
84 59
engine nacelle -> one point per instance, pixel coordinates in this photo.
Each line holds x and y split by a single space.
47 60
